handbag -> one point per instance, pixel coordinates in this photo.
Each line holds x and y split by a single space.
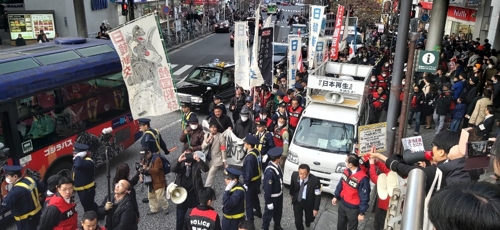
148 179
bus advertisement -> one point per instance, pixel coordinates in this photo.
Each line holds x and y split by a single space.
55 95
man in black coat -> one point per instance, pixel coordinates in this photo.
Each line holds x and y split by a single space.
484 128
305 189
222 121
119 211
188 169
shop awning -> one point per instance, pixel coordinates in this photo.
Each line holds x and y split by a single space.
425 5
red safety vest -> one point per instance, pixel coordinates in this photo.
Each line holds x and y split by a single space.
378 100
69 217
278 136
268 121
350 185
295 115
203 218
382 81
373 87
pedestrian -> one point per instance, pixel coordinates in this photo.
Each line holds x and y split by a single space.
264 116
84 176
215 146
273 190
457 115
119 210
252 178
123 173
295 112
281 138
192 136
233 200
305 189
23 198
20 40
243 125
416 104
237 103
186 114
222 120
188 169
442 109
89 222
353 194
153 168
60 212
266 141
203 216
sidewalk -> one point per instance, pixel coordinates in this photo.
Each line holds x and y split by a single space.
328 218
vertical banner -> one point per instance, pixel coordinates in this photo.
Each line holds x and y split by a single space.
266 55
320 52
334 49
314 31
294 49
242 65
255 72
145 68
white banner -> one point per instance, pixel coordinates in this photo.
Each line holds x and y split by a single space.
320 52
336 85
268 21
256 78
294 49
314 29
145 68
242 64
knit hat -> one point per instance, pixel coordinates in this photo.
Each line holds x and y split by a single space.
478 66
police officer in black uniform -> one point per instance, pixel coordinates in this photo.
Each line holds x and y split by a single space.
233 200
252 174
299 93
186 114
84 176
151 138
203 216
23 199
273 190
266 141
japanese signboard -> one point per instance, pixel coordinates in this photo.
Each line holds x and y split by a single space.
29 25
255 65
414 144
266 55
320 52
334 49
314 31
242 64
336 85
145 68
427 61
294 49
372 135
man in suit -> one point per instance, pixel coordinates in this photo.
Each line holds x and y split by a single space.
484 128
305 189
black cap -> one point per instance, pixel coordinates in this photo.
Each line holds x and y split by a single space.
232 173
217 97
263 111
193 120
282 104
261 123
12 169
79 147
248 99
280 93
251 139
144 121
298 85
185 104
275 152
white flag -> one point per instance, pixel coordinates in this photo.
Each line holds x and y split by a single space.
256 78
242 64
314 31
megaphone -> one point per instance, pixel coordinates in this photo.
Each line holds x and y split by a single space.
392 182
382 186
176 194
412 158
334 98
201 155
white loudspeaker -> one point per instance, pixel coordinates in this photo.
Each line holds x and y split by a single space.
382 186
176 194
201 155
334 98
392 182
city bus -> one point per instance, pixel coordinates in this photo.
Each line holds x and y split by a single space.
54 95
272 8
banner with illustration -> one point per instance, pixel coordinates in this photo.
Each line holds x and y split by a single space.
266 55
242 64
294 49
314 31
145 68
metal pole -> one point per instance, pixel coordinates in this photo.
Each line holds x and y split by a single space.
401 45
131 9
436 25
413 210
409 70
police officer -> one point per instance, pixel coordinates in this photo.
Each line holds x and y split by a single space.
151 138
353 191
203 216
83 176
186 114
233 200
252 177
273 190
266 140
299 90
23 199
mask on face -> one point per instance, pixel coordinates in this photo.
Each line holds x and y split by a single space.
193 127
244 118
275 91
365 60
374 79
263 117
383 75
386 65
490 66
9 181
280 124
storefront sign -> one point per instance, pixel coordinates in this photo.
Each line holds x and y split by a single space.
462 13
29 25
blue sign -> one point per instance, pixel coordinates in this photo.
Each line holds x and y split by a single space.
99 4
424 18
165 9
317 13
295 43
118 122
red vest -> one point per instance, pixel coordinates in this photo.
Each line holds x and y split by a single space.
350 185
373 86
382 81
69 217
268 121
295 115
203 218
378 100
278 136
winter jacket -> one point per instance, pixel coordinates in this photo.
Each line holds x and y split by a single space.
458 88
416 101
156 172
459 111
121 216
443 103
479 112
195 138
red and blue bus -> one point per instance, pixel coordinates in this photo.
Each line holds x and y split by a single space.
53 95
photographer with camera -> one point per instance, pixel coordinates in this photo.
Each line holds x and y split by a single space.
153 176
452 169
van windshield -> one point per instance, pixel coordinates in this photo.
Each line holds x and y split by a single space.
323 135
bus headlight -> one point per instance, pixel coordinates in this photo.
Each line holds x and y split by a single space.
340 167
196 100
292 157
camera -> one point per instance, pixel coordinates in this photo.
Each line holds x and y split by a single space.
137 166
189 157
480 148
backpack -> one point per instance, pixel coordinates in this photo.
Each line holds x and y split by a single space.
164 162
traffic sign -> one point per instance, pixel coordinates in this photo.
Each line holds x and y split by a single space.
165 9
424 18
427 61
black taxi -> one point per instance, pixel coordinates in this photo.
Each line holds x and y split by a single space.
206 81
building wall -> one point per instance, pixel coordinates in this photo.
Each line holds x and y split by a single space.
96 18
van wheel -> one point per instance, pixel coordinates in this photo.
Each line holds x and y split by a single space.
63 168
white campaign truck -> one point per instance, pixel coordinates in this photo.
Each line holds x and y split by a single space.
327 130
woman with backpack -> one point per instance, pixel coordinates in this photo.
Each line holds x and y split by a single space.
416 104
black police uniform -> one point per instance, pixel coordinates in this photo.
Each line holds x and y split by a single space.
300 98
187 116
266 142
233 202
252 179
273 192
84 178
23 200
151 139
